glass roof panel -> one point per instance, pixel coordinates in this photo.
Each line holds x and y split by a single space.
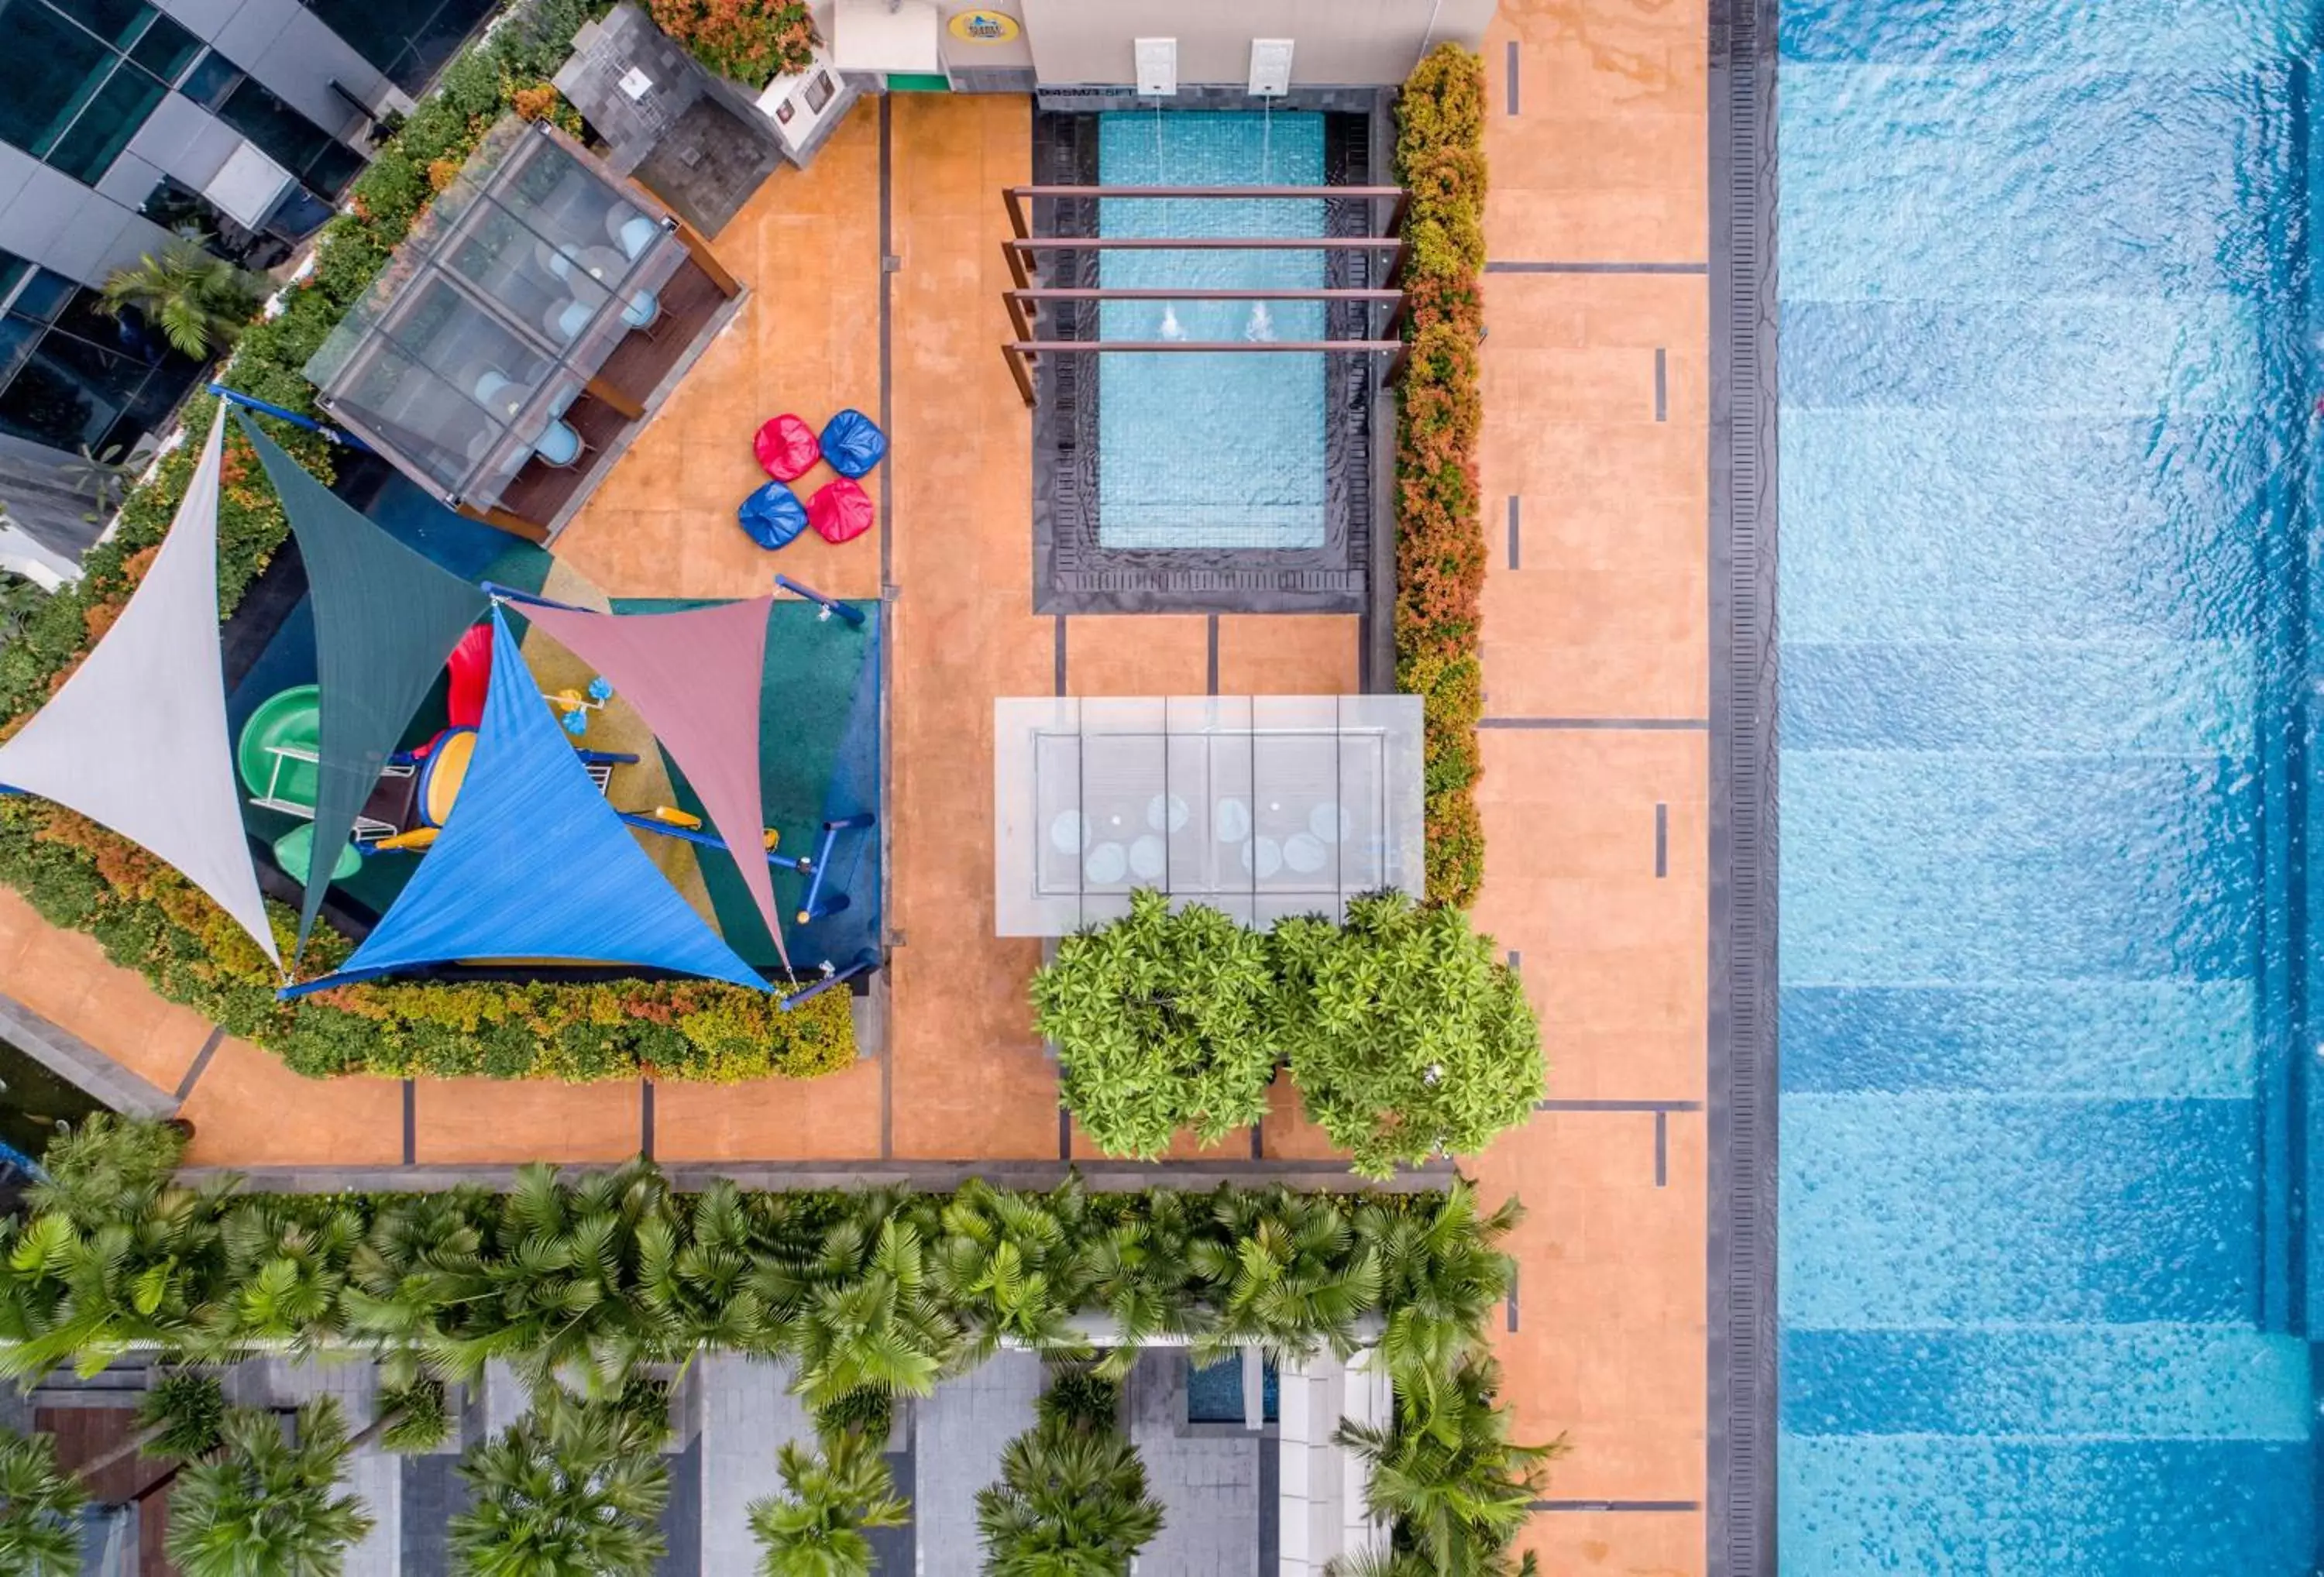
1259 806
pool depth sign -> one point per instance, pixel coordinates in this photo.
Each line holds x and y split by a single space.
985 27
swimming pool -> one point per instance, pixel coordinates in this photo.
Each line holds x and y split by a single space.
1219 451
2047 391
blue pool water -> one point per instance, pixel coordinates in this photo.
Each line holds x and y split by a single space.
1199 451
2048 379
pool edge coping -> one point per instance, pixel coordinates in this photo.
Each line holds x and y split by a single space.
1740 1420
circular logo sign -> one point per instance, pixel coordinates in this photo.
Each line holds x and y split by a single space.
985 27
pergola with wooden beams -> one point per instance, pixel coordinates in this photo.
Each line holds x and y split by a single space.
1027 298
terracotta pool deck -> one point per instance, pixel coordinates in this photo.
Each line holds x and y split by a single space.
1595 471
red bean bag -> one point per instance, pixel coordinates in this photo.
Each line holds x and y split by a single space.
787 447
840 511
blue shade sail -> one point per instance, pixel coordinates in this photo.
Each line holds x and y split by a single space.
533 863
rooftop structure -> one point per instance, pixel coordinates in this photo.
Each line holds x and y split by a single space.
522 331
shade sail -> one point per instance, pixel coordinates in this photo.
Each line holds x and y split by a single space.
136 740
533 863
694 676
384 619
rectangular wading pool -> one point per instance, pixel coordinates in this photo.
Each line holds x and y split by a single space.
1225 450
2046 1297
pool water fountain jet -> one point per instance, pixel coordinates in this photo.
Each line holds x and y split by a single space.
1260 330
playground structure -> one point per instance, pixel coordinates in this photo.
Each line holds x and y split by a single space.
525 857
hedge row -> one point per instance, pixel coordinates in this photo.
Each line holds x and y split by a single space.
1440 540
80 876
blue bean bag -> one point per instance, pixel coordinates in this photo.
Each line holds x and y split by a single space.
772 516
853 443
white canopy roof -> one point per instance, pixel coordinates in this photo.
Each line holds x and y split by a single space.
137 740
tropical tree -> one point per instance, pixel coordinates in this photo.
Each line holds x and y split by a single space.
1071 1502
1407 1037
105 1168
1161 1022
1141 1276
183 1416
39 1508
1455 1489
1441 1274
1285 1273
200 301
815 1527
860 1313
574 1488
1015 1266
263 1505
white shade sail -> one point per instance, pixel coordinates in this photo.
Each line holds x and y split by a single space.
136 740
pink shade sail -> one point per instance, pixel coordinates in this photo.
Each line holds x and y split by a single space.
694 676
136 740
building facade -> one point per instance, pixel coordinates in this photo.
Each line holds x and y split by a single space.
122 120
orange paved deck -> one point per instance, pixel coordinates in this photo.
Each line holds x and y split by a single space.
1603 620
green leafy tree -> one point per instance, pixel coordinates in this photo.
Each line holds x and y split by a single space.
1161 1023
1455 1489
1407 1038
574 1488
1071 1502
814 1526
39 1510
265 1506
199 300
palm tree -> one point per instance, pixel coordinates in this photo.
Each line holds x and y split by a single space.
1283 1275
183 1415
40 1508
815 1528
1454 1489
861 1314
1071 1502
1142 1275
1016 1264
1442 1272
572 1489
262 1506
200 301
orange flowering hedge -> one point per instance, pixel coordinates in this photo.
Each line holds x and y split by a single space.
754 41
1440 539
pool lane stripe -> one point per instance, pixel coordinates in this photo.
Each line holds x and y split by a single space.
1513 76
1513 530
1616 1506
1530 265
1662 383
1650 724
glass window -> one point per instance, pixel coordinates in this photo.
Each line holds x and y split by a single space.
106 123
69 392
44 295
12 269
175 206
211 80
48 68
289 138
118 22
166 49
409 40
17 338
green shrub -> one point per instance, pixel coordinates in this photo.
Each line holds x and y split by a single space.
865 1411
1159 1020
1077 1393
1407 1038
1440 557
187 1407
754 41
